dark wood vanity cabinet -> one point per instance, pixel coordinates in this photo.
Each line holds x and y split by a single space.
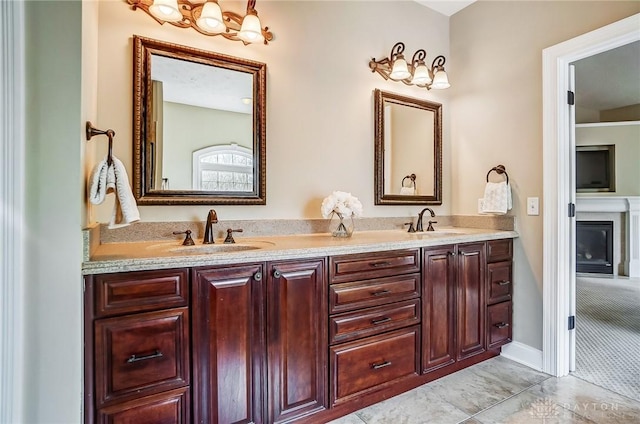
374 307
453 318
304 340
259 342
137 365
499 292
229 344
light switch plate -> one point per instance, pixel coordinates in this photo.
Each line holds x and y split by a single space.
533 206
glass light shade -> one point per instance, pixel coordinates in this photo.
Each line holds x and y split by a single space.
166 10
440 80
210 19
251 30
399 70
421 75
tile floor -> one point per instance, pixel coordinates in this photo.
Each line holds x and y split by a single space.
501 391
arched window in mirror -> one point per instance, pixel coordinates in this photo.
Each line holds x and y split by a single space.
226 167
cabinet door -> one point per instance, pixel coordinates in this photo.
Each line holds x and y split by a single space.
471 299
297 338
438 317
228 344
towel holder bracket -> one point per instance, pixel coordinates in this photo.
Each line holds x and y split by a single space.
499 169
92 131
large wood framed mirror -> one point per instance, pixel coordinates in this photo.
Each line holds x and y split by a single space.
408 150
199 126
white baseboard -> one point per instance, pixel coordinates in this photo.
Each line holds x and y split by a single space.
524 354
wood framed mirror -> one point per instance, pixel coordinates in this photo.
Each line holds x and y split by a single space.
408 150
199 126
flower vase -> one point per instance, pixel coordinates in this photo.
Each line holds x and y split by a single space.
339 226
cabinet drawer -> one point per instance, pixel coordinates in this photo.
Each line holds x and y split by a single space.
499 250
141 354
166 408
499 282
499 321
367 322
373 363
373 265
140 291
379 291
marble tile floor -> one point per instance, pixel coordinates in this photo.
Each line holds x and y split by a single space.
501 391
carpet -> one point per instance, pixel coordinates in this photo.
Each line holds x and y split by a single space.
608 333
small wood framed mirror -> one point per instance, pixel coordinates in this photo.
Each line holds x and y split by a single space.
408 150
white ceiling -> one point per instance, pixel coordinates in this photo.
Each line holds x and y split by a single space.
202 85
446 7
610 79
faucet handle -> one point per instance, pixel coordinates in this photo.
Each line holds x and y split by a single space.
229 238
411 229
430 226
188 241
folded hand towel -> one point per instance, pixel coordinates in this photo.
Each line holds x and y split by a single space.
497 198
113 179
407 191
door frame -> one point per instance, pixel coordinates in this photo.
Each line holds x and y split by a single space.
556 151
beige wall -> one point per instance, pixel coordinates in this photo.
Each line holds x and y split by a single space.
183 137
496 108
319 96
626 138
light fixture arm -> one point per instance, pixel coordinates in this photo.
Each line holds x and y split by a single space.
191 12
438 63
418 56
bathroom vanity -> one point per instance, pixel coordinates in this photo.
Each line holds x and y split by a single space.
290 329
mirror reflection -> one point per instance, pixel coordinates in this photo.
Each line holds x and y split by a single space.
408 143
200 139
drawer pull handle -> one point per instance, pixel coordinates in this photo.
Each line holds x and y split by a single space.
502 325
380 320
136 358
381 292
378 264
504 283
381 365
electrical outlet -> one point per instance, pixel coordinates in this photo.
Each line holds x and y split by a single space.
533 206
480 205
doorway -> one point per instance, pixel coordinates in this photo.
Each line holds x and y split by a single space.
559 237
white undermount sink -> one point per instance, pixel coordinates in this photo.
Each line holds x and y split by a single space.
209 249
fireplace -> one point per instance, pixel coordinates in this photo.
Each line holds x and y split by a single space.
594 247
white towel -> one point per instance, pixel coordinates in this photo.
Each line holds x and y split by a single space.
497 198
114 179
407 191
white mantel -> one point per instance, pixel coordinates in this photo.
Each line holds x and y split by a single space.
630 206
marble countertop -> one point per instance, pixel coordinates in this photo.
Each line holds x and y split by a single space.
136 256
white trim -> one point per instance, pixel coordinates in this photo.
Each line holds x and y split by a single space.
12 234
524 354
606 203
556 150
608 124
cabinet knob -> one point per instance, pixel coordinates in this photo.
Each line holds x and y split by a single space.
452 253
277 274
502 325
504 283
257 276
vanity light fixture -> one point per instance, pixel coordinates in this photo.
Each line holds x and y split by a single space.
208 18
396 68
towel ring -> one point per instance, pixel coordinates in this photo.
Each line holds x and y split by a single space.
500 169
93 131
412 177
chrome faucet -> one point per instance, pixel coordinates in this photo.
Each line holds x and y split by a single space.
419 223
212 218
